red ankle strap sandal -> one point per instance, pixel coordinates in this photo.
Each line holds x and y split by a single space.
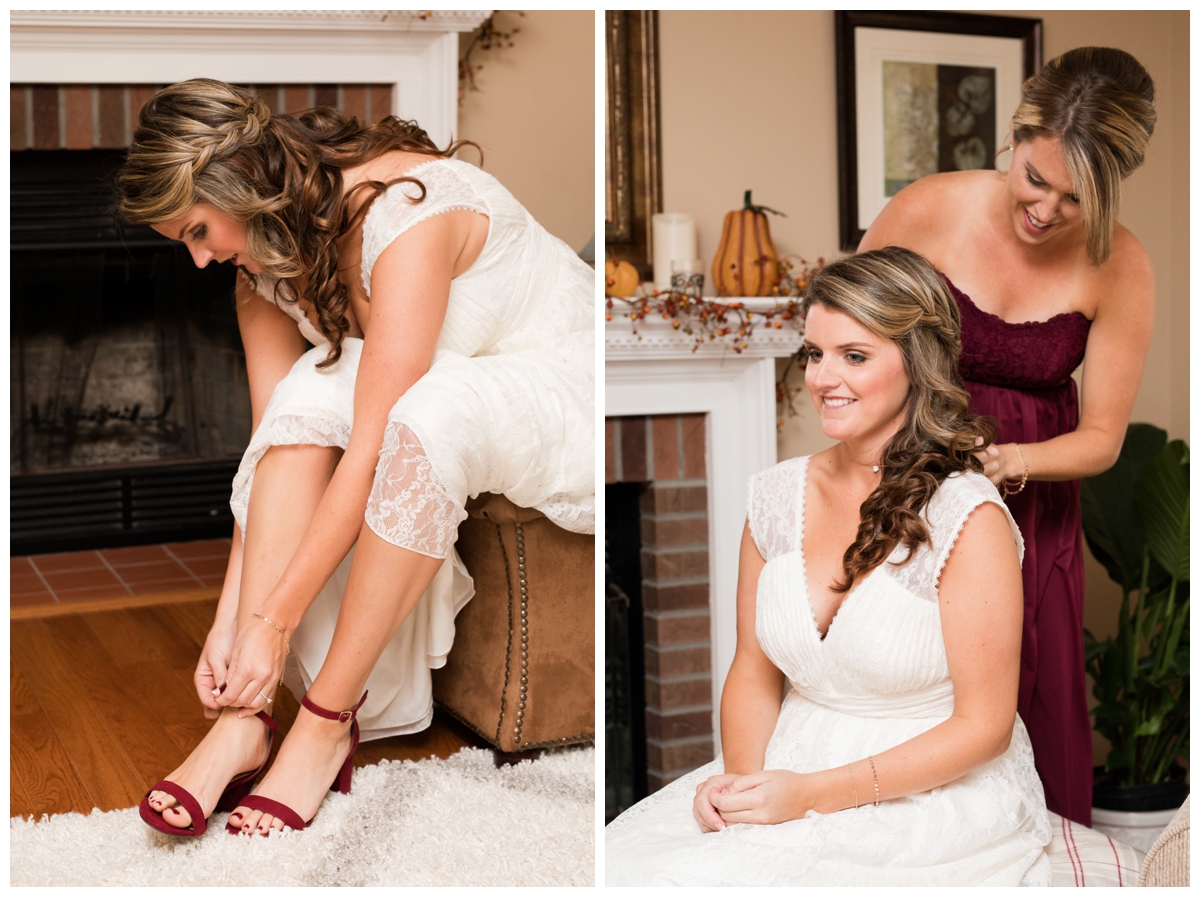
233 795
341 784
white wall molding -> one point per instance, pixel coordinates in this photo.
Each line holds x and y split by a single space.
657 339
23 23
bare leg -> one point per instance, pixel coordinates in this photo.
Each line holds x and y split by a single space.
288 485
385 585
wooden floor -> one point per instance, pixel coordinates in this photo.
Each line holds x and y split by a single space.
102 705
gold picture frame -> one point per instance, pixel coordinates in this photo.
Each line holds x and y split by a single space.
632 167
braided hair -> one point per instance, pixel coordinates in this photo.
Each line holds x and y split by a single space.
897 294
280 175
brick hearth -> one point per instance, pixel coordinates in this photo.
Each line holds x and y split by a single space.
667 453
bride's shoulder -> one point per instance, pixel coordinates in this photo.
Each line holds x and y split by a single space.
962 491
790 470
957 498
968 482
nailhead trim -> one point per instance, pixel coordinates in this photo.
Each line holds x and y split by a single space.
508 648
524 632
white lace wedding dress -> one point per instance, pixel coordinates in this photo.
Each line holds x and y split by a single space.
878 679
507 406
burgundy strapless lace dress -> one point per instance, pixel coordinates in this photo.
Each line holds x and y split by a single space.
1020 374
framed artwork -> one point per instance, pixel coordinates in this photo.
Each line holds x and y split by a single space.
919 93
632 170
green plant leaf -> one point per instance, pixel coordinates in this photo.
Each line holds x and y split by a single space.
1163 505
1153 724
1110 524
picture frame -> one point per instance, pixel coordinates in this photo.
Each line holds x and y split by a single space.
920 92
632 158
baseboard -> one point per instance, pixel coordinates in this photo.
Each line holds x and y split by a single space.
118 602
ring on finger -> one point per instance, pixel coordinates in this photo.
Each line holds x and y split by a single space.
264 697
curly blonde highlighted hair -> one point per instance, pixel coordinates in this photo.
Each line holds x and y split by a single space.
897 295
1100 103
280 175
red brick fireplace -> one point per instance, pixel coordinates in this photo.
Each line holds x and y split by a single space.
666 454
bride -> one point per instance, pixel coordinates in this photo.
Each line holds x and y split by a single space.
452 355
868 721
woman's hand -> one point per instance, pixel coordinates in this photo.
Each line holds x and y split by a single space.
211 669
764 798
702 807
1000 463
255 667
990 459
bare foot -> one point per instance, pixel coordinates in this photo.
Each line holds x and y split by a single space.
231 746
308 763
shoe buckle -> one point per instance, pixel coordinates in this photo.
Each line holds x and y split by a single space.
345 716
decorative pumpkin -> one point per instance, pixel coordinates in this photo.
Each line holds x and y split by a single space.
620 279
746 263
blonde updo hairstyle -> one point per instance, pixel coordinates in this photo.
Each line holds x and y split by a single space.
279 175
897 295
1099 102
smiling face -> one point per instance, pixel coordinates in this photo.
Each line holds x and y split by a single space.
1042 199
210 234
856 379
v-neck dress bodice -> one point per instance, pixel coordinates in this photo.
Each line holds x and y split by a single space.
877 679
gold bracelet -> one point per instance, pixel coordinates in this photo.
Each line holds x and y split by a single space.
1005 490
871 760
287 648
853 784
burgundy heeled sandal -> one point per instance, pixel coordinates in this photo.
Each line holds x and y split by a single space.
341 784
235 792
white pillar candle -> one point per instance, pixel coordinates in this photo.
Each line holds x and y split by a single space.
674 240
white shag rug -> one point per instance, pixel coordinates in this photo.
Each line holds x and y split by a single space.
459 821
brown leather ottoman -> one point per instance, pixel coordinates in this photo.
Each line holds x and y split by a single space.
522 670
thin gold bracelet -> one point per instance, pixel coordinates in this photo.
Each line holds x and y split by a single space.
286 645
1004 487
277 629
871 760
853 784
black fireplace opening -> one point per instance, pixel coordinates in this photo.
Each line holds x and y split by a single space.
129 404
625 761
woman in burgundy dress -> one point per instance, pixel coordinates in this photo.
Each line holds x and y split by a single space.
1045 276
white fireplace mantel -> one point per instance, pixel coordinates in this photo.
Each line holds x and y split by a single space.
660 374
415 52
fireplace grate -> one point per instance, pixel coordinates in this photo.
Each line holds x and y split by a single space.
108 506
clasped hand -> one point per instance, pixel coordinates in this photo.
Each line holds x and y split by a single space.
761 798
248 664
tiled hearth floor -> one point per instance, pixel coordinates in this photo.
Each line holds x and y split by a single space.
116 576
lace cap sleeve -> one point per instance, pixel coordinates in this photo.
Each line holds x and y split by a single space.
775 508
400 208
946 514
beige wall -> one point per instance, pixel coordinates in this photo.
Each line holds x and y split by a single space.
749 102
535 118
